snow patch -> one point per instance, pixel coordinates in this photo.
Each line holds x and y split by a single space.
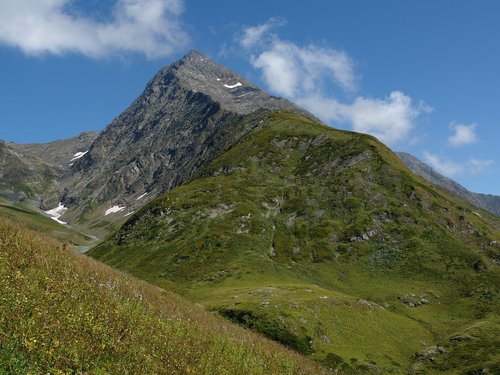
142 196
218 79
113 210
130 213
78 155
245 94
237 84
57 212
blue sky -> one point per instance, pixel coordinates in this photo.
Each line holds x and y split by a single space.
422 76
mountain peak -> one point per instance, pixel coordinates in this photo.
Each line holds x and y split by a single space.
194 54
198 73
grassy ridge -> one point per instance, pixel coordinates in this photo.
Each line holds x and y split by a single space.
61 312
323 240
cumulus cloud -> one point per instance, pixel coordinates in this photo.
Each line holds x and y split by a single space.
290 70
452 169
463 134
150 27
443 166
310 75
390 119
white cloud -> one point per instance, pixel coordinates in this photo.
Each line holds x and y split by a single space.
463 134
446 167
254 35
290 70
451 169
281 73
310 74
38 27
390 119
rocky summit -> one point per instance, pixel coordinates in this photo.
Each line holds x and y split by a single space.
188 114
234 93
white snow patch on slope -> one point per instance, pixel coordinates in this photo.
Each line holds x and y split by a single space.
113 210
57 212
237 84
142 196
130 213
78 155
218 79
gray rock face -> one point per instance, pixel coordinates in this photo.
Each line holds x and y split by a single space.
234 93
188 114
23 175
30 170
487 202
59 153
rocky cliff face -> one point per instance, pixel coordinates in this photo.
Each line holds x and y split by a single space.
188 114
490 203
61 153
23 176
234 93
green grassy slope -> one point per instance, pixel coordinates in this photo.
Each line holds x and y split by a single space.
62 312
324 241
21 213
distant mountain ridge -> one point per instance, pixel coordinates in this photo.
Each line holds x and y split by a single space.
28 171
22 175
487 202
59 153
